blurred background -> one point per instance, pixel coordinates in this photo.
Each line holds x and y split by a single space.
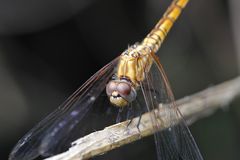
49 48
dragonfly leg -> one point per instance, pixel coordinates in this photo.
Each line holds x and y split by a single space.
119 116
139 113
130 115
129 123
139 121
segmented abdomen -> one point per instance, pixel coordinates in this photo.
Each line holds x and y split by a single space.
155 38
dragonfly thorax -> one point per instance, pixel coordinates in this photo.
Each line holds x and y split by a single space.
120 92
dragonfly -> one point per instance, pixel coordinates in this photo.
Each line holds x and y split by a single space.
128 86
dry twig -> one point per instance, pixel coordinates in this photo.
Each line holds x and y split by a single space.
193 107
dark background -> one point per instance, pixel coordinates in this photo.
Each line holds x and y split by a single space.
49 48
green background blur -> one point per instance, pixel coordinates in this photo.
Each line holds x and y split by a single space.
49 48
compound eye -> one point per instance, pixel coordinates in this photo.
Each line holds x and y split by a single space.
124 89
111 86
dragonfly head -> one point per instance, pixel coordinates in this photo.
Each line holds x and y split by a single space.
120 92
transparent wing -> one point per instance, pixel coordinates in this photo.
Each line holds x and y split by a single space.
175 142
55 132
